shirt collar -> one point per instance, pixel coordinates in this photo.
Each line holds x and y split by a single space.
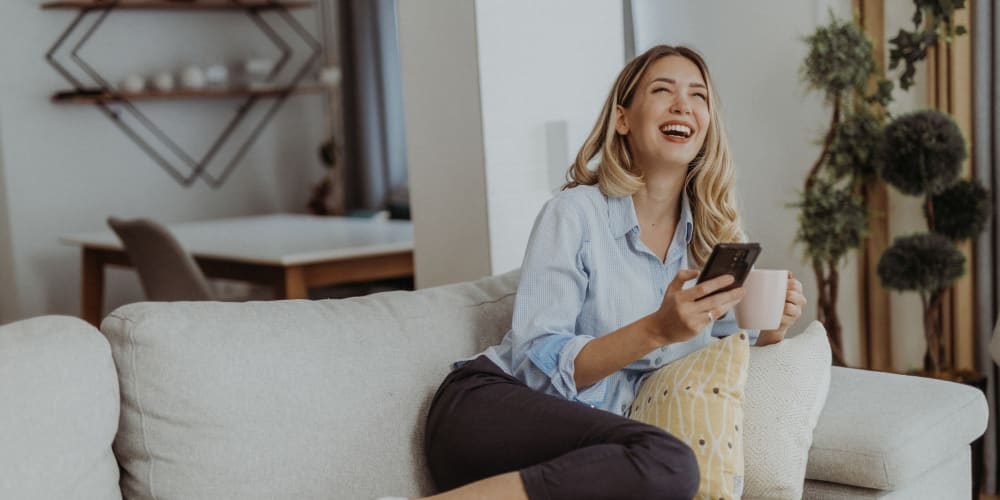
621 212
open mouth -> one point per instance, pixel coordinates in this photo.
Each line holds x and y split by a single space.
676 130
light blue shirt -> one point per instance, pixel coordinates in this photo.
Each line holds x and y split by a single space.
585 274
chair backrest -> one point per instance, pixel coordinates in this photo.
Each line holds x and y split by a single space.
166 270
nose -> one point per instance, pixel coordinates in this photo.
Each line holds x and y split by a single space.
681 104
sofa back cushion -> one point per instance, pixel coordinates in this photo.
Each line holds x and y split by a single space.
58 411
291 399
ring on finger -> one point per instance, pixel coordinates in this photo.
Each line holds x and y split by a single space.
711 317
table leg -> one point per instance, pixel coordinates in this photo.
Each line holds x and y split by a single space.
293 285
92 287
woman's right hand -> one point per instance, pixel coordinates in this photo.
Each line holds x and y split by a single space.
682 315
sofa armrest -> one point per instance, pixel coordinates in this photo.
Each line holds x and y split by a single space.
879 430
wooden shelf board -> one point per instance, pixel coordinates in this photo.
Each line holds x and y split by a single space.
178 4
73 97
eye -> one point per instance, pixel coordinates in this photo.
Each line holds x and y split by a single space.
661 89
702 96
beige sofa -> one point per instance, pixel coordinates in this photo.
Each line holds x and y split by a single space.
326 400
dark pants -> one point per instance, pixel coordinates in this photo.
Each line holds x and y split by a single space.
484 422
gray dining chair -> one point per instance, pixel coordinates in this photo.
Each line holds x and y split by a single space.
167 272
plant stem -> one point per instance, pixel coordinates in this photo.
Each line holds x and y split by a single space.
930 354
934 358
821 287
826 272
834 121
827 281
929 212
937 300
835 332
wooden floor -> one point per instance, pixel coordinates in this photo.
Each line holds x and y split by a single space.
984 496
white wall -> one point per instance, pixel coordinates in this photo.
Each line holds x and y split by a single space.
67 167
480 84
557 66
441 101
754 53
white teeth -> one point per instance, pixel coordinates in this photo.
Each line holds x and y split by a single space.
684 129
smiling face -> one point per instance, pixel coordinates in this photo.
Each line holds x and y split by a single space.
668 117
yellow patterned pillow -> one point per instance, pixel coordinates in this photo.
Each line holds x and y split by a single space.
699 399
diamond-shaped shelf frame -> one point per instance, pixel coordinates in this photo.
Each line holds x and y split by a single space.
105 96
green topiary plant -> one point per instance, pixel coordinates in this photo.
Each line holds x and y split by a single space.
961 211
922 154
832 217
910 47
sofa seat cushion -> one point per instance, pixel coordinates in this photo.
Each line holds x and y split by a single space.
58 411
878 431
291 399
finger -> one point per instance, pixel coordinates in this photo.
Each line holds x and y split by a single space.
717 302
706 288
796 298
719 312
726 308
683 276
795 285
792 311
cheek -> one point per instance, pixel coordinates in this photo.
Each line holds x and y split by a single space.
705 121
702 134
704 118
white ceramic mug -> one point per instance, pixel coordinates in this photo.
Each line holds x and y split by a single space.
764 300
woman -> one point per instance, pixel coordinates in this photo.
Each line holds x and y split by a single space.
602 303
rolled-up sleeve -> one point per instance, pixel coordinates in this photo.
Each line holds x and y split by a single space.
549 298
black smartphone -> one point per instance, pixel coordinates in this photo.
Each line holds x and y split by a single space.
736 259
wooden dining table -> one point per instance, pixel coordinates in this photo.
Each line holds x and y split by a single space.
288 252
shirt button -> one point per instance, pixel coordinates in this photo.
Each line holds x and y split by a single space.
658 360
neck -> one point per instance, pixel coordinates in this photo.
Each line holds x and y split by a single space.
659 200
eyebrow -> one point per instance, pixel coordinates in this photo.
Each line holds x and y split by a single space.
674 82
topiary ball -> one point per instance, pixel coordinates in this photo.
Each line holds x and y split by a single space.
922 262
831 221
855 144
961 211
840 58
922 152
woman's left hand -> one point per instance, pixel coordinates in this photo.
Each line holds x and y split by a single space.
795 301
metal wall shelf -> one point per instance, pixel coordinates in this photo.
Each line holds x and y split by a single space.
185 168
176 5
93 96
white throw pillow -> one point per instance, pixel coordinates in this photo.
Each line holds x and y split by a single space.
785 393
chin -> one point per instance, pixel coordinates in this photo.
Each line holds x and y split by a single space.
681 161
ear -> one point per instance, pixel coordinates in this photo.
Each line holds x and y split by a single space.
621 123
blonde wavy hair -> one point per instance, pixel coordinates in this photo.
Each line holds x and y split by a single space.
711 175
